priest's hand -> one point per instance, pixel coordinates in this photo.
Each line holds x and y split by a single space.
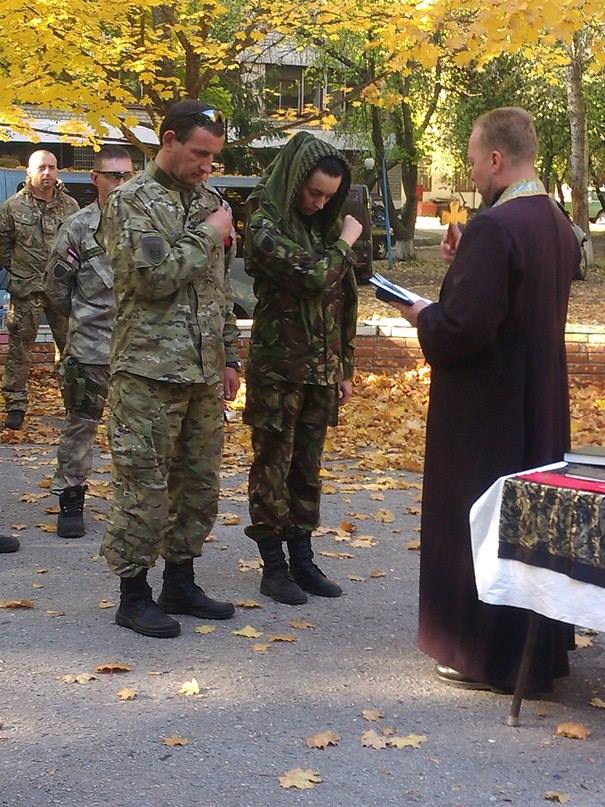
449 243
410 312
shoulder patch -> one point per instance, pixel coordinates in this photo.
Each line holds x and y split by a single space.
60 270
265 242
154 249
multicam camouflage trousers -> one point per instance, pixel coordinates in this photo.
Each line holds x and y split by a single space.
166 445
84 389
289 424
22 323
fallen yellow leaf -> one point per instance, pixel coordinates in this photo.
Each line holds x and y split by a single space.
127 694
113 667
248 632
554 795
41 571
363 541
356 578
261 647
282 637
331 554
347 526
250 565
230 519
575 731
323 739
18 526
372 714
378 573
80 678
377 497
16 604
411 545
300 778
190 688
385 516
205 629
37 585
248 604
175 740
371 739
55 613
598 702
583 641
106 604
409 741
47 527
301 624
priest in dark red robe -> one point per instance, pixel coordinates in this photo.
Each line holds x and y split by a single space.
498 401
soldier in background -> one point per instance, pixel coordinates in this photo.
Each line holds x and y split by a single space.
301 353
29 221
79 283
164 233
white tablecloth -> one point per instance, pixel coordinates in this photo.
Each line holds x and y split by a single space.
511 582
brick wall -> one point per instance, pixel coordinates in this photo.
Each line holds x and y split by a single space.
389 345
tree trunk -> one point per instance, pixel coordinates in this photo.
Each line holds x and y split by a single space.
578 162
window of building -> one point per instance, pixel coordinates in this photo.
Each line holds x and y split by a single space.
283 87
83 157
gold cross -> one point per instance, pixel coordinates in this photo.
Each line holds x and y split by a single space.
455 215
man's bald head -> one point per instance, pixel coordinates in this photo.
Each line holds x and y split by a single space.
42 173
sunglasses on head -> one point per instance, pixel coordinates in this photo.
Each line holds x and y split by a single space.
203 116
115 174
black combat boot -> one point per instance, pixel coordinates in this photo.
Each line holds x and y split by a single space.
70 523
308 576
14 419
277 581
180 594
8 543
140 613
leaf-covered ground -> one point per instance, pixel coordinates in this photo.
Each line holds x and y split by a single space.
382 429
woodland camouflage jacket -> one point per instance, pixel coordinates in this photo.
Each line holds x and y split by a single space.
305 318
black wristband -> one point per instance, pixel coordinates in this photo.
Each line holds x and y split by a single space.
234 365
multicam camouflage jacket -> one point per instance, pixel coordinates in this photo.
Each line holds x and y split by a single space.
79 282
174 311
28 227
305 318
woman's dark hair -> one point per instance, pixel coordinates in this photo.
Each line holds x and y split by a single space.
331 166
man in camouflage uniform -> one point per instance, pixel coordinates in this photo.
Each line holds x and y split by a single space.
164 233
29 221
301 353
79 283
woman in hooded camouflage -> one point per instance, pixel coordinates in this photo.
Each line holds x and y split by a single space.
301 353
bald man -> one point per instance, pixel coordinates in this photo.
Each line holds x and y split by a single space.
29 221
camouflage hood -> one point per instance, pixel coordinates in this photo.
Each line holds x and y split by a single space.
279 188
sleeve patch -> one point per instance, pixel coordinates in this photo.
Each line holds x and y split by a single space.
154 249
60 270
265 242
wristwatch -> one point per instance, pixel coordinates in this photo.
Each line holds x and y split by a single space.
234 365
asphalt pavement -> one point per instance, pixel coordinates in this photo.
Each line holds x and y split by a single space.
260 699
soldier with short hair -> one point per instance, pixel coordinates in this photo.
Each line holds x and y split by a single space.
164 233
29 221
79 283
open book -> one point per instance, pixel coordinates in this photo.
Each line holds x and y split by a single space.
390 292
